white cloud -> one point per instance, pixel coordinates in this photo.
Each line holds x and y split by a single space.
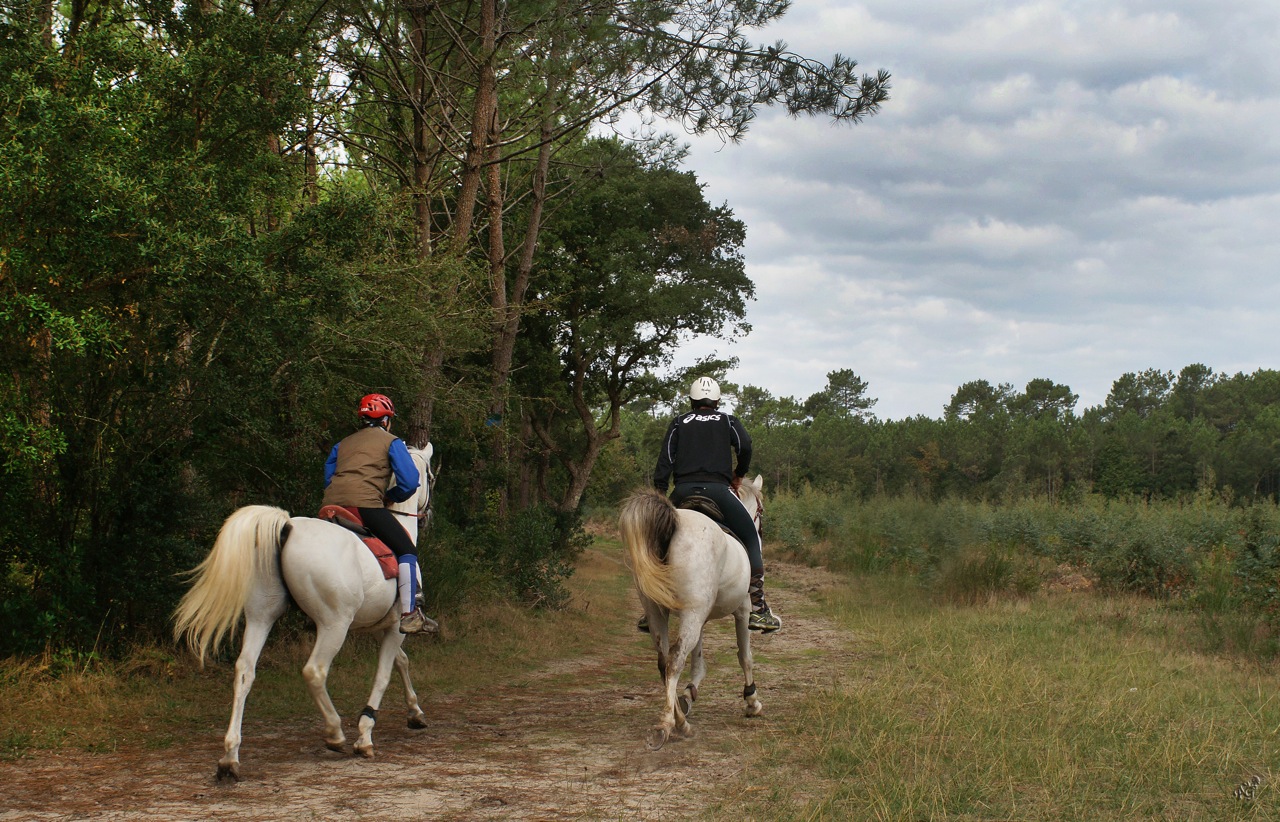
995 238
1068 190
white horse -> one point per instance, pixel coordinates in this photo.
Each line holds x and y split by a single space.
262 559
686 566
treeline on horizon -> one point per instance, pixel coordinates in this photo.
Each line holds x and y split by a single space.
1157 436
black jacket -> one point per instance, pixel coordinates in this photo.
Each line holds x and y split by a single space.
699 447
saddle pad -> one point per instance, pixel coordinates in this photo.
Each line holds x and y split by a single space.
385 556
350 519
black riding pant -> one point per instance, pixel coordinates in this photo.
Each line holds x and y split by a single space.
736 516
386 526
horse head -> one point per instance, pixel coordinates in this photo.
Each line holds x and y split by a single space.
426 481
751 492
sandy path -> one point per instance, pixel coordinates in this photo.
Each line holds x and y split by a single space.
566 742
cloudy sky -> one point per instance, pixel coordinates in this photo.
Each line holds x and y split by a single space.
1069 190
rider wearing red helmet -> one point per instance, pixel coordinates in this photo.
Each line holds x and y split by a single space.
357 475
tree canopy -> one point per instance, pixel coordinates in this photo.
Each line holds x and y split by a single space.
221 223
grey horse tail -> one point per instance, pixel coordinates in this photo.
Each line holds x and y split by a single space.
648 522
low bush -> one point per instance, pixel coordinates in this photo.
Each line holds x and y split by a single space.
527 554
1203 552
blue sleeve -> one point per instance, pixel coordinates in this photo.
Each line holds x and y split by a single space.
330 465
405 470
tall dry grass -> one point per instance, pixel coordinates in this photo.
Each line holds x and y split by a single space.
1064 707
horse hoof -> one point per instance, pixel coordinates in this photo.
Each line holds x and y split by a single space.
658 738
756 709
686 705
418 721
336 746
229 771
685 731
363 750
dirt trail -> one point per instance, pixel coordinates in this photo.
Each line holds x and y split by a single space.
566 742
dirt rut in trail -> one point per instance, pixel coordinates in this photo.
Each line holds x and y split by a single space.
565 742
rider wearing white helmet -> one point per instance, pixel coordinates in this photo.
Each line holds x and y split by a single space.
698 452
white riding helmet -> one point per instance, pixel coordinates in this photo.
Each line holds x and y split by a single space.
704 388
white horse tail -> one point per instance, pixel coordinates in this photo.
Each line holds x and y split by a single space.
648 522
246 549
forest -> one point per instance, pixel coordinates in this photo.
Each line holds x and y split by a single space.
222 223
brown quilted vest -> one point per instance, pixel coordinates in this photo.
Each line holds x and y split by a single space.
363 472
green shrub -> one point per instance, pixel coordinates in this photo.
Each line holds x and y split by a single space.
971 579
1257 563
1217 558
528 554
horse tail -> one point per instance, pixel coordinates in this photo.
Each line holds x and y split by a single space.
648 522
246 550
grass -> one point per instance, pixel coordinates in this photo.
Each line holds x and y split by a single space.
158 697
1031 707
1044 708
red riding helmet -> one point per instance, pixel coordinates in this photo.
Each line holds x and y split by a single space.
376 406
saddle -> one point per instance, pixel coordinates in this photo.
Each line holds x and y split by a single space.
709 508
349 518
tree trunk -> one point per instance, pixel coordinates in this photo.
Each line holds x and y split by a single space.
509 303
421 131
580 469
311 165
482 120
44 20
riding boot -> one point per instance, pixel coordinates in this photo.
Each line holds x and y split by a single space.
761 619
412 619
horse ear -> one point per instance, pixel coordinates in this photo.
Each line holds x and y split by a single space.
758 482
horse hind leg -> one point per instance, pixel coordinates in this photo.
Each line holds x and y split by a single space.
673 718
690 695
388 653
661 732
256 630
329 639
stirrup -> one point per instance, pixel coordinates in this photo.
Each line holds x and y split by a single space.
416 622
